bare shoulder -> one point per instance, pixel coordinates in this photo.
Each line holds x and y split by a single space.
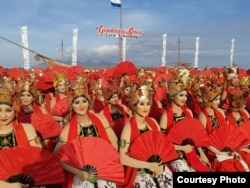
201 115
28 127
65 130
126 131
190 112
103 119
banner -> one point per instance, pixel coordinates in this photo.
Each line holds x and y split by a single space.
232 53
164 44
196 52
25 49
74 50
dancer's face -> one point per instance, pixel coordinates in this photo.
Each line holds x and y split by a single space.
80 105
26 98
181 98
61 87
7 114
143 107
215 103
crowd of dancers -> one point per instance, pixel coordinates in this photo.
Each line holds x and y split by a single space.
122 126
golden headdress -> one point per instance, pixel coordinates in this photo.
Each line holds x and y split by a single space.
142 92
244 82
7 93
27 84
109 90
126 83
78 88
8 82
233 72
6 96
176 85
60 77
210 91
236 99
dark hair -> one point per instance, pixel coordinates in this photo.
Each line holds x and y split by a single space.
7 103
84 96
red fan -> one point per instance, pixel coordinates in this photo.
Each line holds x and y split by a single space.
94 155
30 165
153 146
46 125
42 84
228 137
189 129
74 71
125 67
245 129
16 73
162 77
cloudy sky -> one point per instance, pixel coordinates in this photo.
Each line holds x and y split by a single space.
215 22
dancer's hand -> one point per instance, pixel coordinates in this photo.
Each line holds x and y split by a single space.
84 176
17 185
157 168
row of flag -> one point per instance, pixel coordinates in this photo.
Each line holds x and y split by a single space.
116 3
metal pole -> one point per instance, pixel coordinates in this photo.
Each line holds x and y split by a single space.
120 48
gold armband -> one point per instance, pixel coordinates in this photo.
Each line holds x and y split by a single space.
37 140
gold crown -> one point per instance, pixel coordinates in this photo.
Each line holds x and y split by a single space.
127 83
209 93
26 85
61 77
244 82
143 91
232 72
6 96
175 86
78 88
109 90
195 87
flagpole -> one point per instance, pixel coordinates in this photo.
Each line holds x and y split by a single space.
62 51
120 48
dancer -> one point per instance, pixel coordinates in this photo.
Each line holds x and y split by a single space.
136 171
83 123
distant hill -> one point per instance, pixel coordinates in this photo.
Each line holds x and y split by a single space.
84 64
